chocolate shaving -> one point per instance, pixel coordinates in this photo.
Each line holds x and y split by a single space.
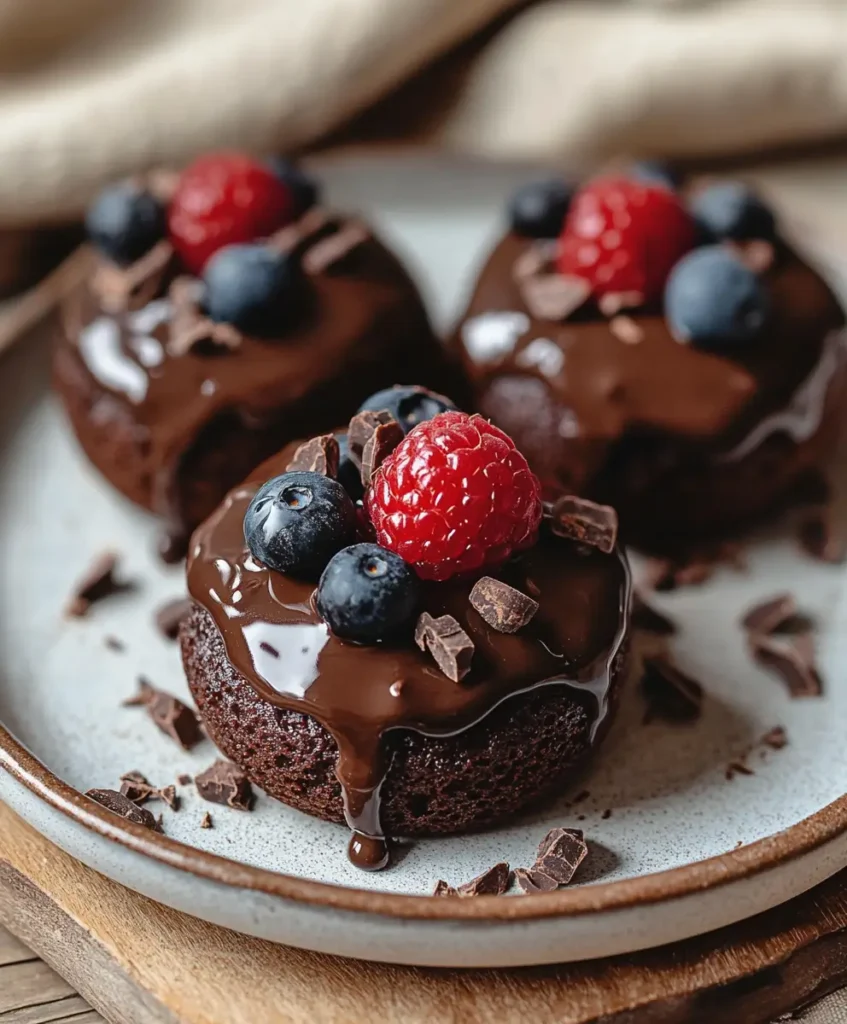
450 646
613 303
170 615
771 615
626 330
97 583
443 888
334 252
135 787
822 537
184 780
493 882
505 609
585 522
174 718
206 820
318 455
225 783
646 618
793 659
191 329
775 738
378 447
531 880
120 289
114 643
670 693
122 805
560 853
553 296
362 428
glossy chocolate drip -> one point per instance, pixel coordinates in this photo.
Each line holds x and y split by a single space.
274 638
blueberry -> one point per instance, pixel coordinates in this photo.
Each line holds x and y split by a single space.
349 474
538 209
408 405
713 300
655 172
732 210
297 521
256 289
125 221
367 594
304 188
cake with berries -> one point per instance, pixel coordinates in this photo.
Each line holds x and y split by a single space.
657 347
390 629
227 313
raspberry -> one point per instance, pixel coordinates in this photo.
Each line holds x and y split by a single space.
624 235
455 497
225 198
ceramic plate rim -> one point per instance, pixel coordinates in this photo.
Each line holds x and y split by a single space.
802 838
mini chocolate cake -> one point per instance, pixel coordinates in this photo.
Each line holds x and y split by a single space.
408 693
667 353
177 385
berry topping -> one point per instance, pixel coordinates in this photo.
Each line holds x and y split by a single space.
713 300
732 210
304 189
348 475
408 405
624 236
455 496
656 172
367 594
297 521
224 198
538 209
125 221
254 288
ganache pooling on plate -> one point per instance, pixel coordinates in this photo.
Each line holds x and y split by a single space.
417 625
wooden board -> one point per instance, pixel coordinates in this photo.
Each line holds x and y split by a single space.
138 963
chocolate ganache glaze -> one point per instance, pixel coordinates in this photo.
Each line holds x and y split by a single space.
274 638
175 409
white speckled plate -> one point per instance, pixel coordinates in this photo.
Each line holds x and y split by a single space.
676 848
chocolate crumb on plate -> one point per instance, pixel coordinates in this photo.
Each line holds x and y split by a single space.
586 522
793 659
531 880
553 296
135 787
122 805
97 583
169 795
737 768
114 643
206 820
493 882
450 646
560 853
378 447
505 609
170 615
606 814
174 718
225 783
184 780
646 618
670 693
775 738
822 537
443 888
769 616
318 455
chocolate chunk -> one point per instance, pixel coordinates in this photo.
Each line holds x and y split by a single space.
553 296
450 646
646 618
505 609
670 693
443 888
174 718
626 330
135 787
225 783
612 303
822 537
184 780
793 659
586 522
378 447
560 853
737 768
98 582
169 795
769 616
122 805
493 882
170 615
775 738
531 880
362 428
319 455
114 643
206 820
334 253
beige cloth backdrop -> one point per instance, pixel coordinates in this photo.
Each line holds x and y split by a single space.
91 89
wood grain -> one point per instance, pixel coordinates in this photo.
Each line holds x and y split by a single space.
138 963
